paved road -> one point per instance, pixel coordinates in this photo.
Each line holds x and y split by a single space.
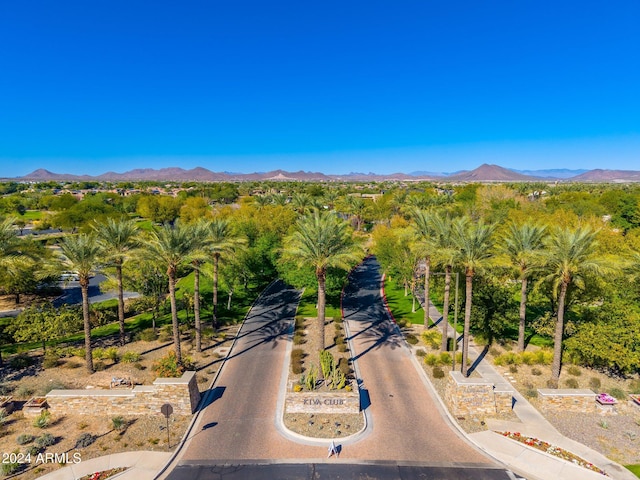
407 425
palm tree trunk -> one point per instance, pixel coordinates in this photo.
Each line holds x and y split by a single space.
427 302
215 292
123 338
196 307
174 316
445 309
559 333
84 288
523 315
467 321
321 274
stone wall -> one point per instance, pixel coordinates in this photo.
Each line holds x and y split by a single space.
322 402
567 400
182 393
469 396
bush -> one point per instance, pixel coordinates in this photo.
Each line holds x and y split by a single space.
23 391
544 356
571 383
10 468
343 366
46 440
513 368
594 383
412 339
634 387
99 366
138 366
298 339
147 335
342 348
25 438
551 383
438 372
445 358
50 361
33 450
84 440
118 423
531 393
20 361
168 366
42 420
131 357
53 385
536 371
296 360
431 359
420 353
528 358
166 333
112 354
617 393
432 338
573 370
98 353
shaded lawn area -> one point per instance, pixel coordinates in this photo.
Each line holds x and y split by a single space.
307 305
400 305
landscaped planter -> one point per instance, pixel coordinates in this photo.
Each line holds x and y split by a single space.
35 406
319 401
6 404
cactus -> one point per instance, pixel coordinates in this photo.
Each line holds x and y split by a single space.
327 363
309 380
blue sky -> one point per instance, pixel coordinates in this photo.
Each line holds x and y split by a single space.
242 86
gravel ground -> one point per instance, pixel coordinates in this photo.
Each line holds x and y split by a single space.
324 425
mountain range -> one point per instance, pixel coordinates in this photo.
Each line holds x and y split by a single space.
484 173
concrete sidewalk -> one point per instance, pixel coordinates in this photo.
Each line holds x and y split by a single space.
528 461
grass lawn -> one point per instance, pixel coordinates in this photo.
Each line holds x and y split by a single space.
401 305
31 215
307 306
635 469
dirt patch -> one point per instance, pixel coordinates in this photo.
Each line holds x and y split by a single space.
137 432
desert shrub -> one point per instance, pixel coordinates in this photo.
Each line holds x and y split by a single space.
528 358
298 339
573 370
420 353
147 335
634 386
99 366
338 320
168 366
98 353
165 334
112 354
52 385
139 366
118 423
458 358
20 361
23 391
343 366
296 360
33 450
51 360
10 468
131 357
5 389
551 383
544 356
508 358
617 393
25 438
571 383
84 440
411 339
431 359
46 440
594 383
513 368
299 323
42 420
71 364
432 338
494 352
342 348
444 358
531 393
438 372
3 416
339 339
536 371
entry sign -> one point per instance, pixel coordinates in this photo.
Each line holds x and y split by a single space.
166 410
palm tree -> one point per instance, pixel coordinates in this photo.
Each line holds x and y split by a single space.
221 241
444 253
82 254
322 240
473 242
10 247
423 226
200 238
173 246
569 255
118 240
523 244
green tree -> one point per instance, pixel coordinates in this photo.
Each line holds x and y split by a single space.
522 245
118 239
321 240
173 246
424 230
81 253
200 240
474 242
569 255
44 323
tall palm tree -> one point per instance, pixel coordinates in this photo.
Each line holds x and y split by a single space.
322 240
10 247
444 253
522 244
423 227
173 246
82 254
222 240
118 240
569 255
200 238
474 242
